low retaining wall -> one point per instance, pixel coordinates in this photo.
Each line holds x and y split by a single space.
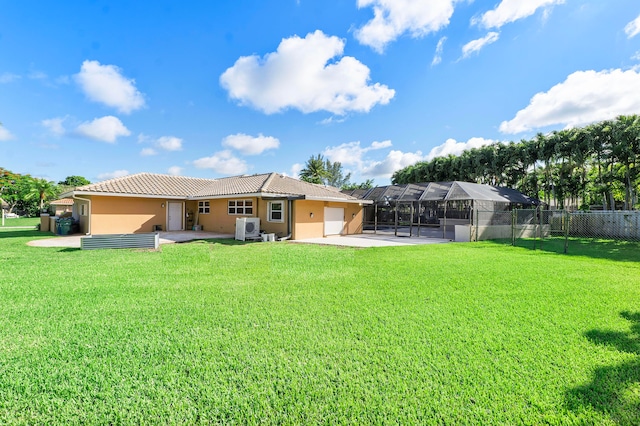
111 241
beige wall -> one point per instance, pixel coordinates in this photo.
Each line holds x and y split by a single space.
134 215
279 228
306 226
125 215
84 220
219 220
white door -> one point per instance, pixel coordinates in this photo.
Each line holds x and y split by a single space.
333 221
174 221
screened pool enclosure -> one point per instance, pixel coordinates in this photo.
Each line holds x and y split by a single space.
434 209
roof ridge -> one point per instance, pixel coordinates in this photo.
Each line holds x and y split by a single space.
267 182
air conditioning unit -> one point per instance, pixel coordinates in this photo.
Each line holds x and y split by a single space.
247 228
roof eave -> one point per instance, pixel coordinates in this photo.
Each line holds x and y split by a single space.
120 194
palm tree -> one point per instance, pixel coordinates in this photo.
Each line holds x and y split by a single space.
315 170
42 190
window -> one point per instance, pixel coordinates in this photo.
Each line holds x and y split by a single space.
83 209
240 207
203 207
276 211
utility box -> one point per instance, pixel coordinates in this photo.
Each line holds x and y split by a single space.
44 222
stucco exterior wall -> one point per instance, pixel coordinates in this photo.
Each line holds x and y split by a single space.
111 215
279 228
83 219
125 215
306 226
219 220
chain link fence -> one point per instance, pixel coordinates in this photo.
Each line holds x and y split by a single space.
555 230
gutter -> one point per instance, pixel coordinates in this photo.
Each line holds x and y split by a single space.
88 200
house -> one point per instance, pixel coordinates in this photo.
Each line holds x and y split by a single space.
63 205
147 202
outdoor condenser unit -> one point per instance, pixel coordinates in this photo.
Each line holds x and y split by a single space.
247 228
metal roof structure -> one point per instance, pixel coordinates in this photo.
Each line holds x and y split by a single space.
445 191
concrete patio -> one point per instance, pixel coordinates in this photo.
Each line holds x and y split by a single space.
360 240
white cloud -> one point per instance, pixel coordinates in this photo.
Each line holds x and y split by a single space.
351 153
113 175
222 162
632 29
5 135
437 57
175 171
303 74
250 145
169 143
54 125
393 18
394 161
477 45
636 56
295 171
148 152
584 97
164 143
37 75
106 84
8 77
452 147
512 10
104 129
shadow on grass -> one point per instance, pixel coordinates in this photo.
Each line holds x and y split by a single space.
23 233
626 251
221 241
615 389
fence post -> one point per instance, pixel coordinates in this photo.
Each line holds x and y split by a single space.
514 220
566 231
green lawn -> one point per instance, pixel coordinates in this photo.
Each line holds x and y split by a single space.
285 333
21 222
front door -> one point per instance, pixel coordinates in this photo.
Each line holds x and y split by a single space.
174 221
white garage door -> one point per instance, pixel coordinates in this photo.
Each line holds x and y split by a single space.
333 221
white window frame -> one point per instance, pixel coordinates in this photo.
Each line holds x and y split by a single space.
270 211
243 207
204 207
83 209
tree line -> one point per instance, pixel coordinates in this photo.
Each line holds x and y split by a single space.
323 171
28 195
594 165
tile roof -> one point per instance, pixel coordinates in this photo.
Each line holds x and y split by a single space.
150 184
62 202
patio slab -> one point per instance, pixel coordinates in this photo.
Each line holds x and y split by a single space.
373 240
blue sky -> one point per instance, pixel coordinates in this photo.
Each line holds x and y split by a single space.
102 89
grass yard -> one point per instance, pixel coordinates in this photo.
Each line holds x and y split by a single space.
20 222
284 333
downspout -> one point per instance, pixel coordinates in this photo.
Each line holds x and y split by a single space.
88 200
289 220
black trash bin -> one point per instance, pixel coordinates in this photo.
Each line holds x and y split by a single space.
64 226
